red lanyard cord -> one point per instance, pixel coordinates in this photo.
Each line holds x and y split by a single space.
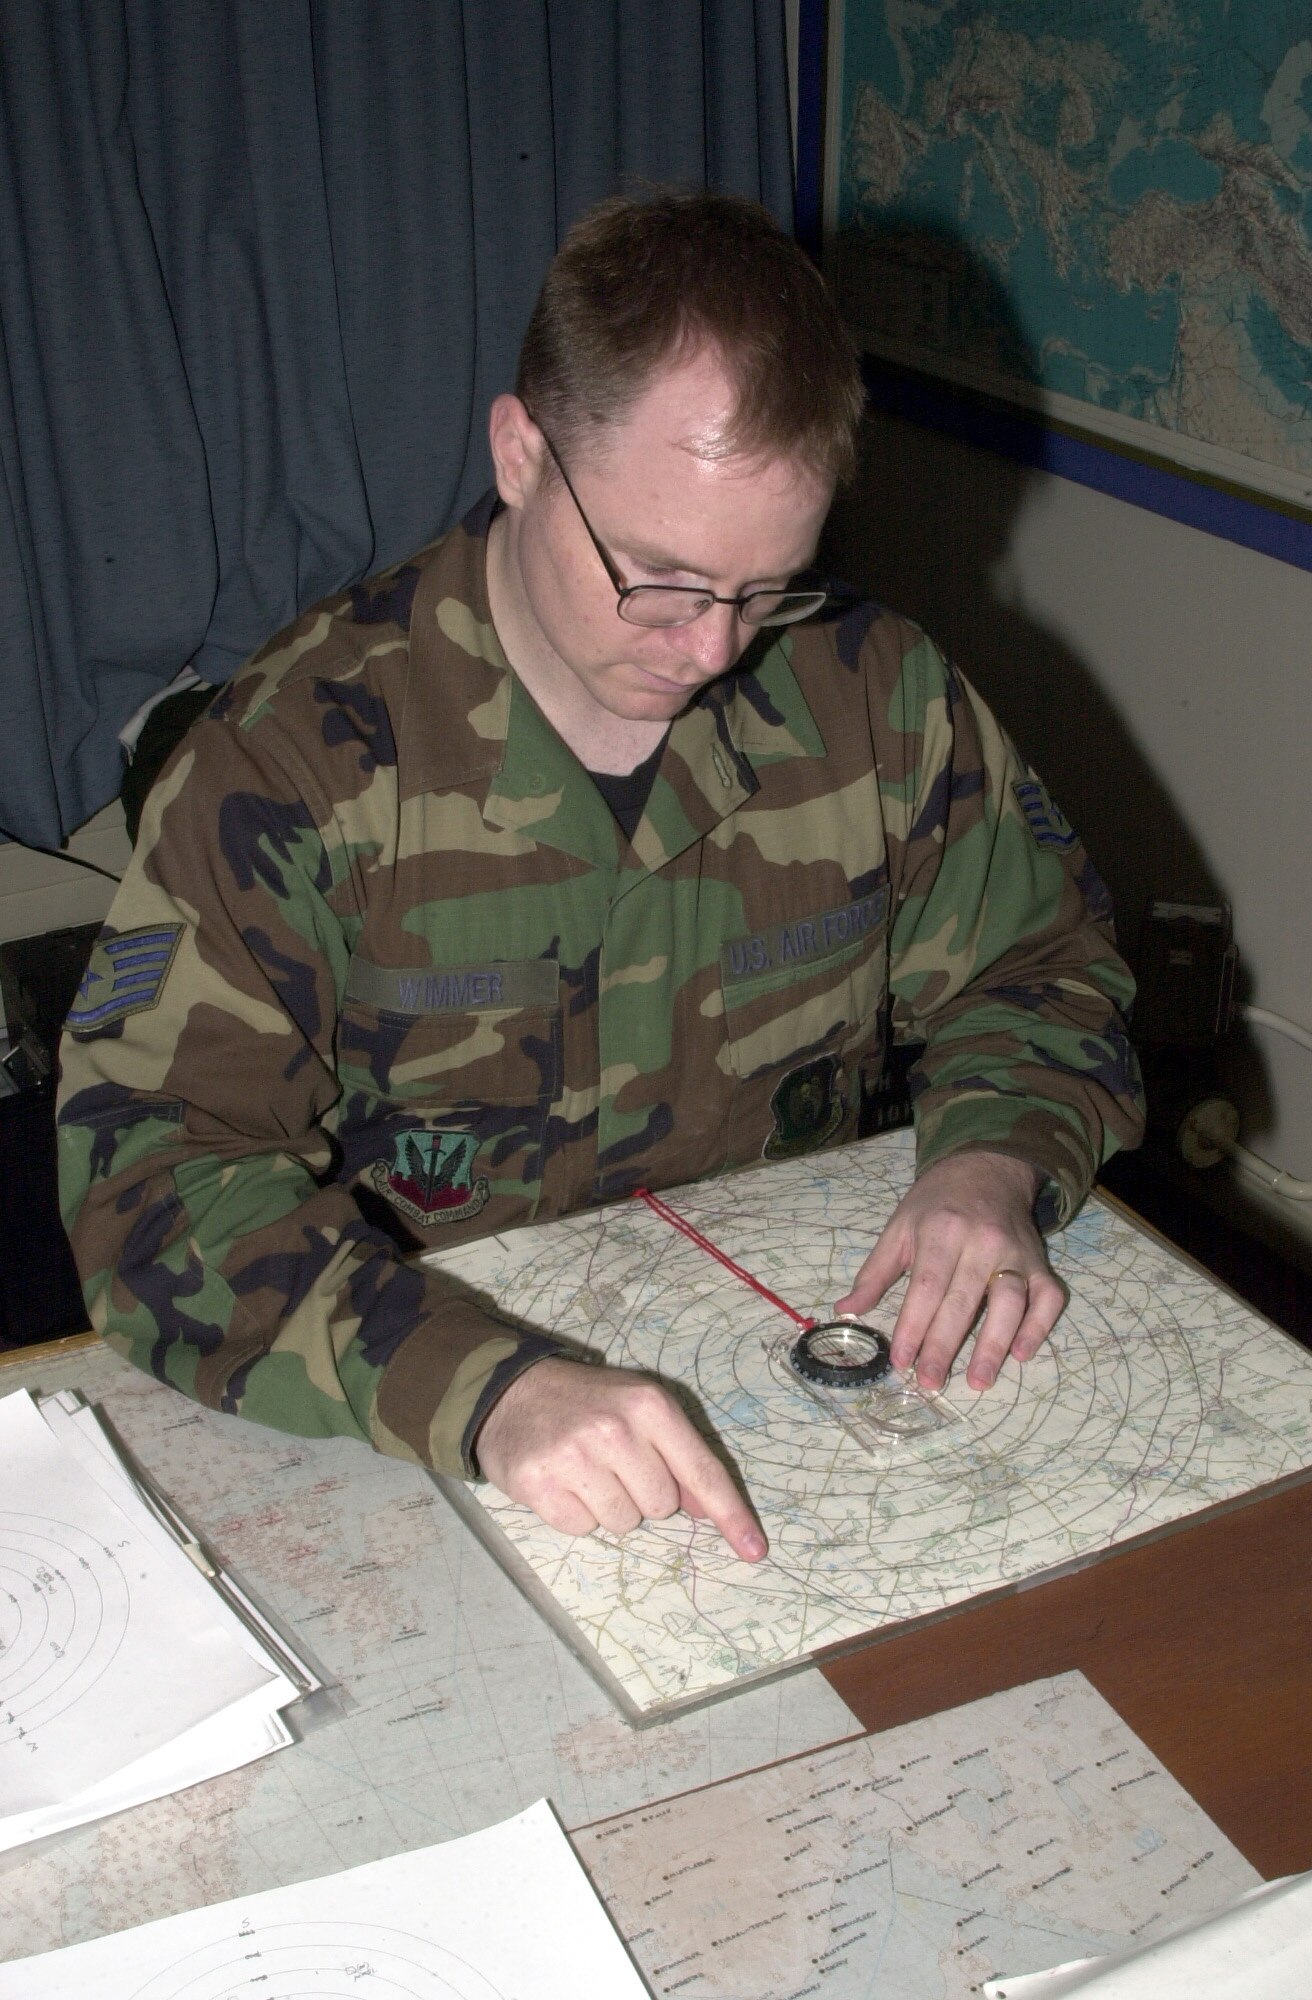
686 1228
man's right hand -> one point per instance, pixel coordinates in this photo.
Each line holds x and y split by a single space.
589 1447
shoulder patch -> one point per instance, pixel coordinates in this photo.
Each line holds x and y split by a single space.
125 975
1045 819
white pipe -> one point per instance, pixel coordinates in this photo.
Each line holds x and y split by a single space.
1261 1017
1274 1178
1271 1177
1211 1129
1251 1163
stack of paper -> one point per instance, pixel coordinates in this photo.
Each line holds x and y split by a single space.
131 1665
505 1911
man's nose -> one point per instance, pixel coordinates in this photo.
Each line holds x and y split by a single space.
712 642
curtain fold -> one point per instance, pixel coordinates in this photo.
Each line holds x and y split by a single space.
263 265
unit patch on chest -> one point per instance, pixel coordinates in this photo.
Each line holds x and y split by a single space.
808 1108
430 1177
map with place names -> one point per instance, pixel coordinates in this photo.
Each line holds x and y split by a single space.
1158 1395
452 1704
1106 210
1014 1834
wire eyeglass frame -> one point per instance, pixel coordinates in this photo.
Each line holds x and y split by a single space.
668 604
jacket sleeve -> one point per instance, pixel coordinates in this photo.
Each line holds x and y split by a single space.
1003 956
195 1126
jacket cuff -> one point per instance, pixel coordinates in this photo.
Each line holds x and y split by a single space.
443 1379
1058 1153
532 1349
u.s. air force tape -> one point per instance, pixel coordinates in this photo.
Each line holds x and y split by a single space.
802 940
449 989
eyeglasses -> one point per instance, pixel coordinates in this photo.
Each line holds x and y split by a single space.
678 603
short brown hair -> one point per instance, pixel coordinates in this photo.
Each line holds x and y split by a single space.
639 284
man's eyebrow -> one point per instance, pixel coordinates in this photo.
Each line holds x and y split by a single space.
651 557
654 558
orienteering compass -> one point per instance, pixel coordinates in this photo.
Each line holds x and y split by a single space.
841 1354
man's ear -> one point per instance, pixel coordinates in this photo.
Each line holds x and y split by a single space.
518 450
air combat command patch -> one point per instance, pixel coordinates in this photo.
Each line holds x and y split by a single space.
430 1178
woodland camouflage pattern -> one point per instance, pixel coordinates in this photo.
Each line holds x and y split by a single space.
385 972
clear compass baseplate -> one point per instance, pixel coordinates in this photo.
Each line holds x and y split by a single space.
843 1365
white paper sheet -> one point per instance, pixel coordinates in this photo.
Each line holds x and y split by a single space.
75 1425
506 1914
129 1670
239 1732
1258 1948
107 1651
244 1732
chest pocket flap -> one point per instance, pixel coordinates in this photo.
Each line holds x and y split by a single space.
804 984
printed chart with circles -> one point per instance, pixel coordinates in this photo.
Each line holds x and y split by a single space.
303 1961
64 1612
1158 1395
495 1915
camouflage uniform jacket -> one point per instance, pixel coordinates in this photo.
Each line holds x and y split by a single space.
385 966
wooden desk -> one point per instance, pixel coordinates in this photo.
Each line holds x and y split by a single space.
1201 1640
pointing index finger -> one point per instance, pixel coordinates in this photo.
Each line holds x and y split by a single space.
708 1493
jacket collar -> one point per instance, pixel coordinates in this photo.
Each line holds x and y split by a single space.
466 716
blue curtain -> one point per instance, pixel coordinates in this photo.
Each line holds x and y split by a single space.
263 265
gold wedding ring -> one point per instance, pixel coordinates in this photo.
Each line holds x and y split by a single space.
1007 1271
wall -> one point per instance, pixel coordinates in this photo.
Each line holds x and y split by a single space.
40 892
1160 679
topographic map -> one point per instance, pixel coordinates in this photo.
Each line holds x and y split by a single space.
1018 1833
455 1705
1111 204
1158 1395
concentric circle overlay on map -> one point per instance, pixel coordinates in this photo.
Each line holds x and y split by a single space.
64 1606
326 1961
1097 1414
1156 1396
1109 1412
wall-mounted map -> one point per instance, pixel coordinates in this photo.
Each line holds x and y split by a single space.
1100 211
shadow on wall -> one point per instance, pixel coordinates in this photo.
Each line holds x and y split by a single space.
927 527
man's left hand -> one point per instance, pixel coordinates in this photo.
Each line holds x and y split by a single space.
965 1232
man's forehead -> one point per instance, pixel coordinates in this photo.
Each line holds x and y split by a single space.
688 406
681 430
665 483
696 459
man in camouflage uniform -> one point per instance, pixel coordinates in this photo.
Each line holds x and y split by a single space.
545 867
